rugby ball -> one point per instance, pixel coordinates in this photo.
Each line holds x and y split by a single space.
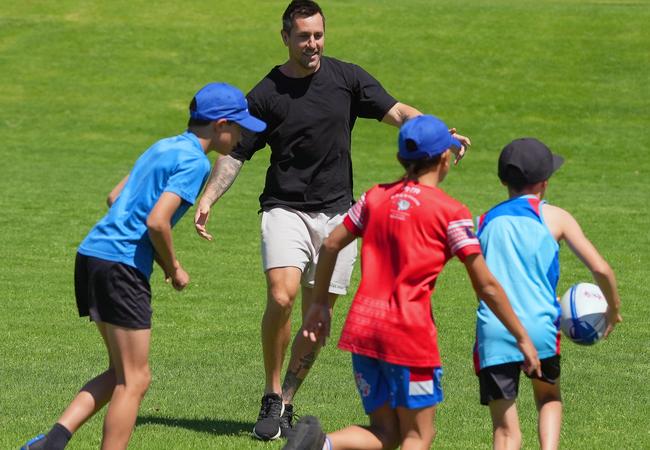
583 317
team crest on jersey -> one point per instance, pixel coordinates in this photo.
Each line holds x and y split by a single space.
362 384
403 205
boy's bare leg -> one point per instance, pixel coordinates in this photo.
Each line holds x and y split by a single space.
417 428
93 396
549 408
382 433
505 425
130 350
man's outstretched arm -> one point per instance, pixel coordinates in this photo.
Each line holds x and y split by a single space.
224 172
399 114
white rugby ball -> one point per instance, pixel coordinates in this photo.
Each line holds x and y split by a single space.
583 317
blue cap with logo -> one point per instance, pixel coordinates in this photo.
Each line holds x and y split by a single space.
424 136
216 101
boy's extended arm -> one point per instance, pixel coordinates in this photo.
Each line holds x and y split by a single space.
225 170
490 291
316 325
565 227
160 232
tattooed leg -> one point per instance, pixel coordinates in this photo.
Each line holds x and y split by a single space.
303 354
297 373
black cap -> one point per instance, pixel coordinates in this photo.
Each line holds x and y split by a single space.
527 161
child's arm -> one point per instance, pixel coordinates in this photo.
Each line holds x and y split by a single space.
490 291
112 196
160 233
316 325
565 227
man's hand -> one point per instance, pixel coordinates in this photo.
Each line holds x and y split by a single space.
223 174
316 326
460 152
201 219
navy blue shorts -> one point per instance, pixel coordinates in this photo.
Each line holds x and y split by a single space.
112 292
380 382
502 380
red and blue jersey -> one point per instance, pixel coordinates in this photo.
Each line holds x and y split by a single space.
522 254
409 233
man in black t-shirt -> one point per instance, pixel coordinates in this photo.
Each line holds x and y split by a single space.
310 104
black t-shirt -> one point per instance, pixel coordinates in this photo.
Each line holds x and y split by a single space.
309 125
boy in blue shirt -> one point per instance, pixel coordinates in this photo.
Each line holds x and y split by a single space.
115 260
519 238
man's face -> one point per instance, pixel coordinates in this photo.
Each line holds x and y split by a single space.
306 42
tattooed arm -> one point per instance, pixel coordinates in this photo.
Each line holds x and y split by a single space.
224 172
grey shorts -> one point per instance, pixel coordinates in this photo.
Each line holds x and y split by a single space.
292 238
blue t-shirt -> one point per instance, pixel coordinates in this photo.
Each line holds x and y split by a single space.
522 254
177 164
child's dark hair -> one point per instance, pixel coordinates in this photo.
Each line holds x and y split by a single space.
415 167
196 122
300 8
514 179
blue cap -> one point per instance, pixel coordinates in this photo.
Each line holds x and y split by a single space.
222 101
424 137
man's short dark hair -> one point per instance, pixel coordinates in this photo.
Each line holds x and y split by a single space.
299 8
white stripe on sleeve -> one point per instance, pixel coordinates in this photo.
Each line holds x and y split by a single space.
357 213
460 233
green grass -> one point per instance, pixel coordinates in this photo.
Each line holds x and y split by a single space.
85 87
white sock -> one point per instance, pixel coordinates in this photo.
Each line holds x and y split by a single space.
328 444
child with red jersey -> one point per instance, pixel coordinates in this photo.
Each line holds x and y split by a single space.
410 229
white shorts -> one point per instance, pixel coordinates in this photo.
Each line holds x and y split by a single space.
292 238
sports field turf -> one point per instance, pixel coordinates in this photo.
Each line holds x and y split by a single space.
86 86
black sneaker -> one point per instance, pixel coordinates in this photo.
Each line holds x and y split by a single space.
35 443
286 420
268 422
306 435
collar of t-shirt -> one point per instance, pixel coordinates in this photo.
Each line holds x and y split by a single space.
195 140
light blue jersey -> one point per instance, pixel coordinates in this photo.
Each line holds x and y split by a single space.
522 254
177 164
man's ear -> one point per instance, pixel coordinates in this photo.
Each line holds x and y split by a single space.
285 37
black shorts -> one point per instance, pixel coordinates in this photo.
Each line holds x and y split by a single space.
112 292
502 381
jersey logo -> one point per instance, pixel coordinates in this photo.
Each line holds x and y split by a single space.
362 384
403 205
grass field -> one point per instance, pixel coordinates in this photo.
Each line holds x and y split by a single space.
86 86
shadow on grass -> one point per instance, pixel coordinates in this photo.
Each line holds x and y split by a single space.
211 426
